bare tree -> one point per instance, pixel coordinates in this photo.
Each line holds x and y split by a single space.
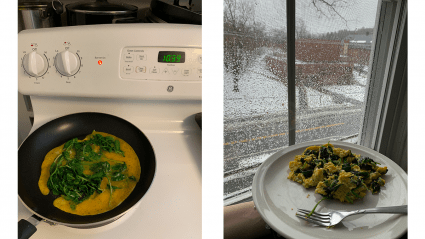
242 35
238 15
301 29
332 8
239 37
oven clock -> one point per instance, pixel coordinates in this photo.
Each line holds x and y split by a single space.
171 57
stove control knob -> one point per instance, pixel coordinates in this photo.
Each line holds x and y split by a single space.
67 63
35 64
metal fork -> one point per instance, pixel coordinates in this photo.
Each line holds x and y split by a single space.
332 218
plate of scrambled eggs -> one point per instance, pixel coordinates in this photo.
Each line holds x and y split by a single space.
349 176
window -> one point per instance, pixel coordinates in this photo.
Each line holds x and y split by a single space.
334 42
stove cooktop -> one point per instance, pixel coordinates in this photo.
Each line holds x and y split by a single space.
140 79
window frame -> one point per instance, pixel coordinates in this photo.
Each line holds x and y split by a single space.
384 101
385 118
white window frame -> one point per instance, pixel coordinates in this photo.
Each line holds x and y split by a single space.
385 117
385 112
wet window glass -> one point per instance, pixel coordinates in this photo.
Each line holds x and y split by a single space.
332 48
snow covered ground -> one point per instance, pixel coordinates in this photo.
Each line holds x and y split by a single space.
360 78
351 91
317 99
260 93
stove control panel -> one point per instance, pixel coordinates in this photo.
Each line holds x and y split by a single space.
125 61
162 64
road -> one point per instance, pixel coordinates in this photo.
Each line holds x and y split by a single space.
248 141
242 137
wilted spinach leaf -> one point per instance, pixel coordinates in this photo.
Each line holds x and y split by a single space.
66 172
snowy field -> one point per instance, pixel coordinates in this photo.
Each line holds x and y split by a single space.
260 93
361 79
351 91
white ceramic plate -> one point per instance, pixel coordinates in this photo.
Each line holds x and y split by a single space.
278 198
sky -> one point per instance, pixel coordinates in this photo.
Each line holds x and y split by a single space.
360 13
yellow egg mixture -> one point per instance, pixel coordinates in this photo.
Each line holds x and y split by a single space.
337 173
96 203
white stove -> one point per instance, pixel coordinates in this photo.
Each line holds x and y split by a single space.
147 74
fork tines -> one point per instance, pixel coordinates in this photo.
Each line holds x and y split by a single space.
321 219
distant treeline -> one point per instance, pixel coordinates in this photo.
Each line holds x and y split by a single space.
342 34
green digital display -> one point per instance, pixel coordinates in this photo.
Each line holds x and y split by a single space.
171 56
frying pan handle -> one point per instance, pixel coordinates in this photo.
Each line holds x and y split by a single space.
26 228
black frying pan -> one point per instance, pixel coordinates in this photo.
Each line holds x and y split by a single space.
56 132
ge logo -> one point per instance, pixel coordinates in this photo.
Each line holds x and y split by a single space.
170 88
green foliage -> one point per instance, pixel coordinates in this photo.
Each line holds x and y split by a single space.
120 167
367 163
375 187
69 181
346 167
312 211
66 172
106 143
332 186
113 187
307 173
361 174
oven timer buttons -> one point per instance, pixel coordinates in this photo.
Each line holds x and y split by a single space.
35 64
186 72
141 69
67 63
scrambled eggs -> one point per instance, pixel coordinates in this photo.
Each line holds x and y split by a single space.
337 173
